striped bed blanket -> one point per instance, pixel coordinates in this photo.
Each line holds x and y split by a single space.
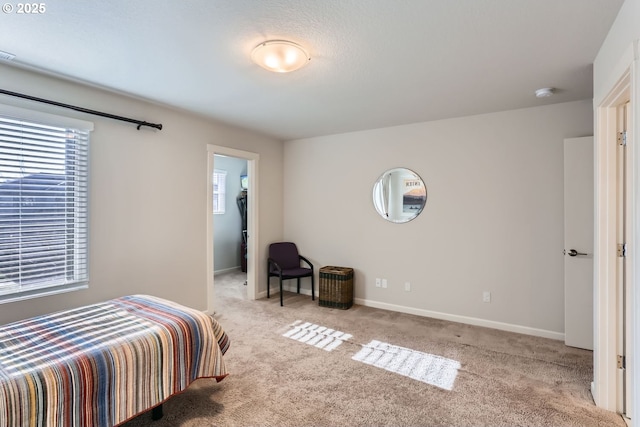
103 364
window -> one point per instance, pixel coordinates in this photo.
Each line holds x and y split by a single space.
219 191
43 205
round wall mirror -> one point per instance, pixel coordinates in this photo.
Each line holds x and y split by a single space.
399 195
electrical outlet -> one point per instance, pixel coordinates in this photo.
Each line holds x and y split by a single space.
407 286
384 283
486 296
378 282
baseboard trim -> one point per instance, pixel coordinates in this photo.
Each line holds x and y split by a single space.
435 314
226 270
463 319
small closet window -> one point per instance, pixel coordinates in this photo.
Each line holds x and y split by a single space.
219 191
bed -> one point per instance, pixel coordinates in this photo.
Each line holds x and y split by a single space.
102 364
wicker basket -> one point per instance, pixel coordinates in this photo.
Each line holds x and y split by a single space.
336 287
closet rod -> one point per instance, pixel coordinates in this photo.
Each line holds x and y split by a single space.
82 110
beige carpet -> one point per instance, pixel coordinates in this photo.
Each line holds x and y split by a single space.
504 379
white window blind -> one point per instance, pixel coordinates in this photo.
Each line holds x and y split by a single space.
219 191
43 208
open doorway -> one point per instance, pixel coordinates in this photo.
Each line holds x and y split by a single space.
230 193
232 239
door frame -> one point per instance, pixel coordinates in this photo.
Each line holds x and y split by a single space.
605 385
252 219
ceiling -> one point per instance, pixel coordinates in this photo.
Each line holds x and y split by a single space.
375 63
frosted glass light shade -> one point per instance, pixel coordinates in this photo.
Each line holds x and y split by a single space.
280 56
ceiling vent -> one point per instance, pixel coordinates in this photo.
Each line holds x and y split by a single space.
6 56
545 92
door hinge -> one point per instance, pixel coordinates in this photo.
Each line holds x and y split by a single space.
622 362
622 250
622 138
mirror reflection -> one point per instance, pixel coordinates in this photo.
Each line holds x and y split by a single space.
399 195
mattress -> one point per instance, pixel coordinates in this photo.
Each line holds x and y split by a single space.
102 364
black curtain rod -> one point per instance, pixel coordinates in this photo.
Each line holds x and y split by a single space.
83 110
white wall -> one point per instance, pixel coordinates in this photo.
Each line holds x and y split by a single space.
619 53
228 226
147 195
493 219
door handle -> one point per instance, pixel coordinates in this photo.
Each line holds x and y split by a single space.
573 252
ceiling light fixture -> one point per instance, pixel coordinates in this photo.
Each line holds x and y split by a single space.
280 56
544 92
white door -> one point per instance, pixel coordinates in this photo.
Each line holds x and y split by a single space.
578 242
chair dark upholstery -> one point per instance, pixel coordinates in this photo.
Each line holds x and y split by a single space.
285 262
